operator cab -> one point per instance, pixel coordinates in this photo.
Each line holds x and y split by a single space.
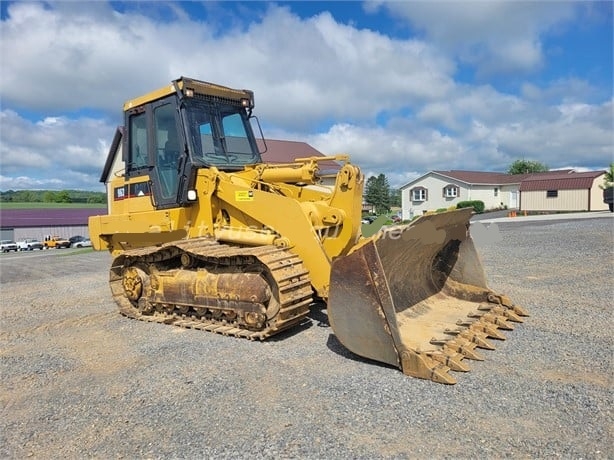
172 132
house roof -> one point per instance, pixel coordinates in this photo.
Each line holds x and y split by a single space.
494 178
478 177
572 181
279 151
18 218
498 178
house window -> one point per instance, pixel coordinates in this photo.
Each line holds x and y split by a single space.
552 193
450 191
496 191
419 194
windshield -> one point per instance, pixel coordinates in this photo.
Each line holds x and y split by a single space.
220 134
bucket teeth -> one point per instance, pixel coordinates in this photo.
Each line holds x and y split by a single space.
513 316
423 366
451 359
482 326
464 347
476 337
508 313
489 329
507 302
519 310
498 320
479 338
459 345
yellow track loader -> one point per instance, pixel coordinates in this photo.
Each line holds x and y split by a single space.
206 235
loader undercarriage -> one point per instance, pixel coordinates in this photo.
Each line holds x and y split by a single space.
246 292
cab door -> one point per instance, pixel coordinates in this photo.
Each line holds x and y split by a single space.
167 178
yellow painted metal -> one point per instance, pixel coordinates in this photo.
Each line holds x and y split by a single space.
237 207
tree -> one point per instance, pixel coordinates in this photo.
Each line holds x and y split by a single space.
63 197
377 193
49 197
97 198
526 167
608 178
395 197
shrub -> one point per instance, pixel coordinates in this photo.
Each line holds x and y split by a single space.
477 205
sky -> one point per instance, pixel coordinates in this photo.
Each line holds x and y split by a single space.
403 87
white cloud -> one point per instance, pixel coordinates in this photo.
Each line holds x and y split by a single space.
57 151
495 36
301 70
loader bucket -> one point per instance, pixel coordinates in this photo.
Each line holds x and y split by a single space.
415 296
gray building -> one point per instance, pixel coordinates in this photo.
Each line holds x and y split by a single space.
17 224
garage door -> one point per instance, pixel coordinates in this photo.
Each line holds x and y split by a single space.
7 234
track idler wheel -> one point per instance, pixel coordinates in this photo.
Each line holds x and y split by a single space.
135 281
254 320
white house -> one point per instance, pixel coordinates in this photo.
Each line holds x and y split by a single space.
562 190
445 189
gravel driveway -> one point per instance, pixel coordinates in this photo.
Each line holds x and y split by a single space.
81 381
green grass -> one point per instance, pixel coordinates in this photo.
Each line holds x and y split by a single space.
13 205
371 229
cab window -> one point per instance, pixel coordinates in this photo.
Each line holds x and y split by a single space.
138 142
235 135
168 150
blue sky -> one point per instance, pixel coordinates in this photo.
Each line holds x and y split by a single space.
403 87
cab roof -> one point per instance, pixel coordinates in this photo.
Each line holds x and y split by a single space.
198 87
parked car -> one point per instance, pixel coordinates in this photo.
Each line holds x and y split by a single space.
29 244
76 238
8 245
368 219
82 244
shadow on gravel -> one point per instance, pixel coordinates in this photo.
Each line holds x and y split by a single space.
335 346
319 316
316 315
305 324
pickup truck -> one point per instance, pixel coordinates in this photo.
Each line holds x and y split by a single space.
608 197
29 244
56 242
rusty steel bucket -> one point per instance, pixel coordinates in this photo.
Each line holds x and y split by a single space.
415 296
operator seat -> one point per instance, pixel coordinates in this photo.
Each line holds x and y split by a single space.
171 148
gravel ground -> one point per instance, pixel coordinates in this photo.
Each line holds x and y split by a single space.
79 380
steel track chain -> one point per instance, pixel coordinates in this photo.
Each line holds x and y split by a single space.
290 278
